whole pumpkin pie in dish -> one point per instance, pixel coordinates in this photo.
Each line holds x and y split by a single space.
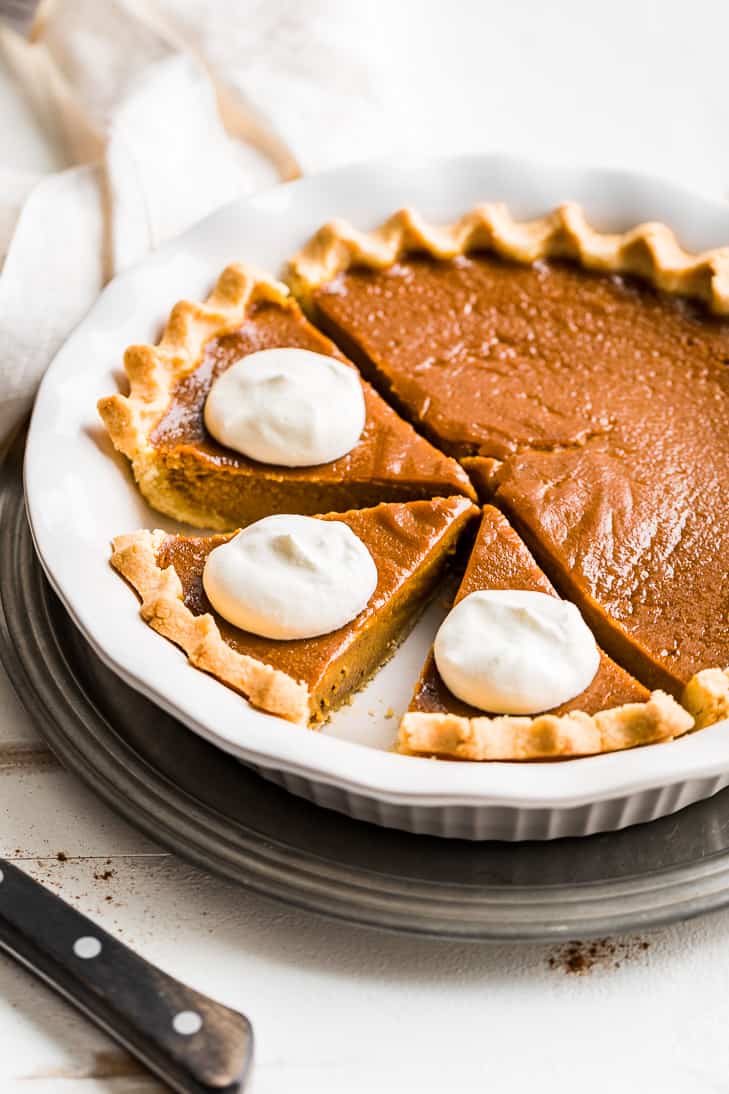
301 680
614 712
184 472
583 380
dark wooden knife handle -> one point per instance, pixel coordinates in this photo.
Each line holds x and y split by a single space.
190 1041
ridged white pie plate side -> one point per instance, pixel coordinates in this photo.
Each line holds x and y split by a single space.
80 494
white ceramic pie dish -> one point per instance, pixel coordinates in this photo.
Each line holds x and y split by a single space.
80 493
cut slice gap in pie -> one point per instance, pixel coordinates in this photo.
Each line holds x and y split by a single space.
583 380
183 472
302 680
614 712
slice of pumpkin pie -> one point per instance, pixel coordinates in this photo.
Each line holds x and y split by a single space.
183 470
614 711
236 612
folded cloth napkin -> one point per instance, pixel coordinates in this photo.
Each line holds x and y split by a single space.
141 118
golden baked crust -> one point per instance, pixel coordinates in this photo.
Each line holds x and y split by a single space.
269 689
154 372
706 696
546 737
649 251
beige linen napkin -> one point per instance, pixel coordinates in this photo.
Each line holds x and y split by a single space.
155 116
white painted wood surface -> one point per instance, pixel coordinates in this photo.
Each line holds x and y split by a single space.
336 1008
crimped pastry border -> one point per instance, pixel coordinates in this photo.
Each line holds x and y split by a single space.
154 371
160 590
546 737
649 251
706 697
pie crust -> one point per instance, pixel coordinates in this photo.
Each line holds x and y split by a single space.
706 696
704 702
649 251
546 737
153 372
135 557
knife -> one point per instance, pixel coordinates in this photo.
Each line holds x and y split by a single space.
193 1043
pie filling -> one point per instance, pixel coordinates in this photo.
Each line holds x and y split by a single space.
593 409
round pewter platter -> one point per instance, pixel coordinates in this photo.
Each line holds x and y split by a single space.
204 805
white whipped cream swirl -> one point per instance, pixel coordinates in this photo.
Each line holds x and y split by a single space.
290 577
287 406
515 651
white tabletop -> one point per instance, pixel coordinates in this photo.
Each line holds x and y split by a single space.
339 1008
342 1009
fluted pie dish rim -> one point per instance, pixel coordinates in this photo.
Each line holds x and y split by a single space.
194 260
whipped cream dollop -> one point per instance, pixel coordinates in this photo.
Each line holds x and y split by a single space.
515 652
287 406
290 577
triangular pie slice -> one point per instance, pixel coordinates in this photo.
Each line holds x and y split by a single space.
593 368
184 472
306 679
614 712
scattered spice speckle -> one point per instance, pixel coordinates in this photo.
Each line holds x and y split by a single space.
577 958
103 875
62 856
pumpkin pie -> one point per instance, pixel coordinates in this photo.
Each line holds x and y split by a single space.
583 380
183 472
302 680
615 711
